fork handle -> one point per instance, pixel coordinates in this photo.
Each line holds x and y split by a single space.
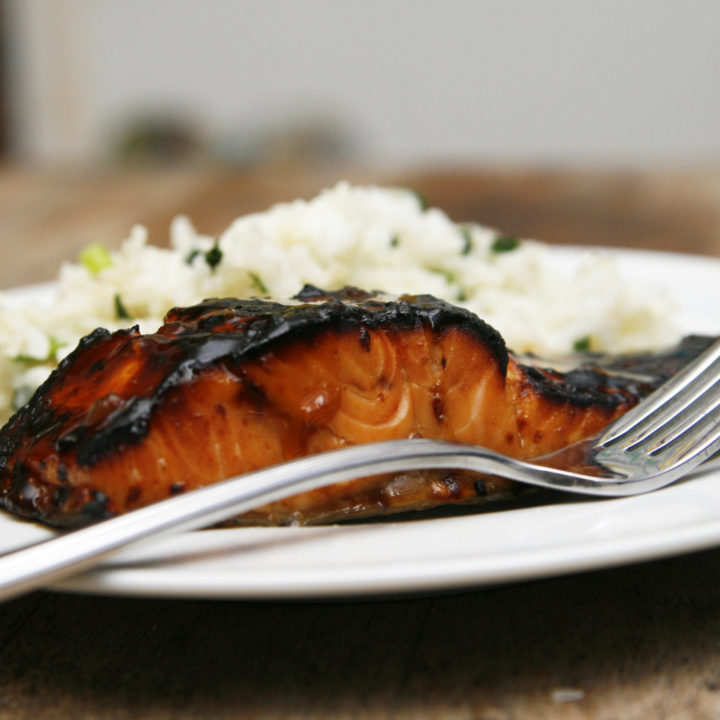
60 557
54 560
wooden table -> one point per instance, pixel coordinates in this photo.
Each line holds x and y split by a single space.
633 642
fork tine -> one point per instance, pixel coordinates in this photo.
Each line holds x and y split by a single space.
691 424
668 400
698 443
683 406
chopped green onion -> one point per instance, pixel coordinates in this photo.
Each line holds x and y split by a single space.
121 312
467 241
51 356
213 257
55 345
191 256
28 359
394 240
582 344
449 277
95 257
505 243
257 283
422 200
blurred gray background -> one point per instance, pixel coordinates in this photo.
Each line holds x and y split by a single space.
380 81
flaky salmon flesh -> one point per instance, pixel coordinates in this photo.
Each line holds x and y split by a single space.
229 386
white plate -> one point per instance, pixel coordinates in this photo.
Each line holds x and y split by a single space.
477 549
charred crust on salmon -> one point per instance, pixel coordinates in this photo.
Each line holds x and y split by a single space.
583 387
228 386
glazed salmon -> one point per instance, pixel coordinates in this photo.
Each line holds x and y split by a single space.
229 386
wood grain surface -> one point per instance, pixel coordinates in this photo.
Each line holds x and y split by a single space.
634 642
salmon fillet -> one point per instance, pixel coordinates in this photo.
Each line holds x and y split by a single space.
229 386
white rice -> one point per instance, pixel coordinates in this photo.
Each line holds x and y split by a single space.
369 237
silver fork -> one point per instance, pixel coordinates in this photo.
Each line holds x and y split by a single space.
662 439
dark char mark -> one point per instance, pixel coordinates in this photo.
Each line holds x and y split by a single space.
604 379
